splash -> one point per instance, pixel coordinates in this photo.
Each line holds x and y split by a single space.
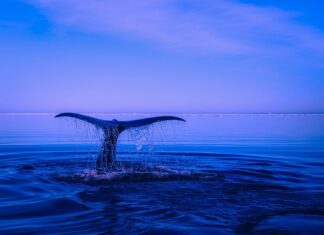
126 172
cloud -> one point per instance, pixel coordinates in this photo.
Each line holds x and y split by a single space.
213 26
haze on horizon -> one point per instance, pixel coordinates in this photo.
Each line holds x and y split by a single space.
226 56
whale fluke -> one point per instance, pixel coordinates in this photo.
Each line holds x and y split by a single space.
95 121
124 125
111 130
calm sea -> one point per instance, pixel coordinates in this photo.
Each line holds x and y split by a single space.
213 174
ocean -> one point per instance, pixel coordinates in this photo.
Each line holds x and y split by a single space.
213 174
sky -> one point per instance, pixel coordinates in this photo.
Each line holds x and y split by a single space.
162 56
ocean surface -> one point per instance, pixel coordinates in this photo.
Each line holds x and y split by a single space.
213 174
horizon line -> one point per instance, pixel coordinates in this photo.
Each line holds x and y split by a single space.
177 113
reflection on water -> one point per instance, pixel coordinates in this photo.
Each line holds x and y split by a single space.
223 174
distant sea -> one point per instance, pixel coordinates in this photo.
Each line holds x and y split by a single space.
213 174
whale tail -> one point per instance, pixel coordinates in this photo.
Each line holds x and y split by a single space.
120 125
111 130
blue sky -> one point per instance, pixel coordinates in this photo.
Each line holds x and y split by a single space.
161 56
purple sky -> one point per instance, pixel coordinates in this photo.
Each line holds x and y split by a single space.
161 56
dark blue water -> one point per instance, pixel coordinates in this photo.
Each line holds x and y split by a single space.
215 174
